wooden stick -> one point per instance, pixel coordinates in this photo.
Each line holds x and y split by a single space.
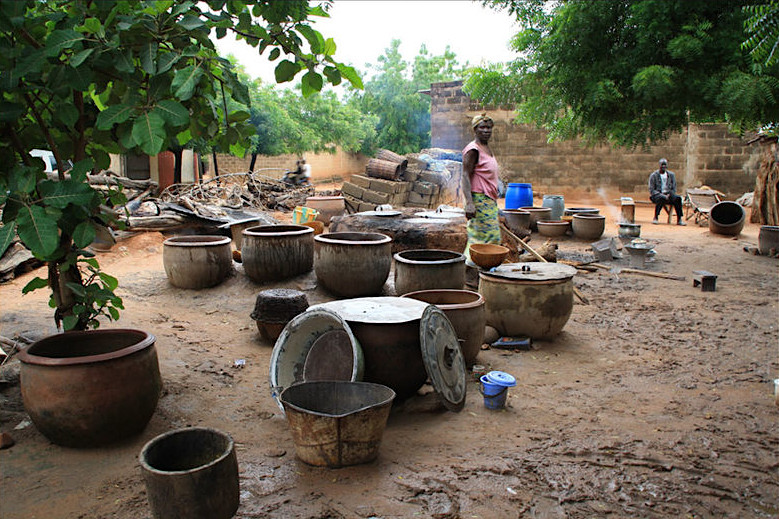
540 258
638 271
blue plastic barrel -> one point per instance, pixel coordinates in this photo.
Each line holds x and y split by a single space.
519 195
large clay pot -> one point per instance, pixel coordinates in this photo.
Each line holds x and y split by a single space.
570 211
726 218
465 310
276 252
191 473
328 206
518 221
536 214
352 264
422 269
89 388
536 303
197 261
588 226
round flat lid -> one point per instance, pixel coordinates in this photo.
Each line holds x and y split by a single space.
443 357
377 310
385 214
439 214
533 271
501 378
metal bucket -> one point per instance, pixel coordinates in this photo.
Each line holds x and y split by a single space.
726 218
336 423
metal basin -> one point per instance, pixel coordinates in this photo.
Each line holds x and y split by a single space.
337 423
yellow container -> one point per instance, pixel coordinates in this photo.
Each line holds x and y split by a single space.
304 214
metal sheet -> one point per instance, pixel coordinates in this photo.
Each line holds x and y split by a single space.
377 310
444 360
532 271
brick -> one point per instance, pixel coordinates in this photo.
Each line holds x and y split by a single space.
411 175
353 190
432 176
375 197
399 199
352 204
361 180
404 187
366 206
421 206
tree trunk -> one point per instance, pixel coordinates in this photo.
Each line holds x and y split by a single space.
253 162
765 199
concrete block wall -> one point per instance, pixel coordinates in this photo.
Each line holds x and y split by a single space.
324 166
702 154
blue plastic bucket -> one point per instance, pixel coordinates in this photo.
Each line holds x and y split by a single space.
519 195
494 387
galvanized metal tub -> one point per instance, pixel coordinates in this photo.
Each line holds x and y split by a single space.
337 423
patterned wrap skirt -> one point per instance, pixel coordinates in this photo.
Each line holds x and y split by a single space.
484 227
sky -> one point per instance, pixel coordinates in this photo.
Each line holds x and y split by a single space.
363 29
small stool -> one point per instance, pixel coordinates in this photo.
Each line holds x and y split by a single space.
707 280
275 308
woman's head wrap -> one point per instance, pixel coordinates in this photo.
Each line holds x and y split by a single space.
480 119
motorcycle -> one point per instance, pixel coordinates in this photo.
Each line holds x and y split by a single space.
293 178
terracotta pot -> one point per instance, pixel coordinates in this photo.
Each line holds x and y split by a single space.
422 269
352 264
588 226
487 255
191 473
197 261
90 388
237 228
553 228
328 206
536 214
276 252
535 303
570 211
274 308
726 218
465 310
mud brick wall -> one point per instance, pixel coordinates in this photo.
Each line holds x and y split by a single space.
701 155
325 167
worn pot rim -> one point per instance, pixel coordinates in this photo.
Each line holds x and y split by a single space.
146 340
277 230
554 223
323 198
530 209
449 306
164 436
332 238
387 400
201 240
455 257
589 216
516 211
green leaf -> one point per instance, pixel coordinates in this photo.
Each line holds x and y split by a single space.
84 234
79 57
329 47
274 54
190 22
7 235
285 71
76 288
81 169
60 194
35 284
22 179
67 114
184 82
10 112
123 61
37 231
314 38
333 75
149 133
114 313
60 40
69 322
111 282
149 57
112 115
351 75
311 83
174 113
166 60
93 25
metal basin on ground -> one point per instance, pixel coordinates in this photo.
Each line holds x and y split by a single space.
337 423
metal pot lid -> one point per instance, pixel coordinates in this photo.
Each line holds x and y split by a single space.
386 214
533 271
446 215
444 361
376 310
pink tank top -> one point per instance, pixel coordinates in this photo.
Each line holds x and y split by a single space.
485 173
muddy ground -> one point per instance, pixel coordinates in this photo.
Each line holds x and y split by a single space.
656 400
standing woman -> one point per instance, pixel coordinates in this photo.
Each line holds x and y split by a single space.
480 185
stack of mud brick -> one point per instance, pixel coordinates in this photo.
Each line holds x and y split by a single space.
364 193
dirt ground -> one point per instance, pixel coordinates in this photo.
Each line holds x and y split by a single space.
656 400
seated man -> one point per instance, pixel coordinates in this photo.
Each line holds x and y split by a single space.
662 191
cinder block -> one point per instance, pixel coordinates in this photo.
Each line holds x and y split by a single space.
404 187
383 186
353 190
352 204
421 206
432 177
361 180
375 197
366 206
410 175
416 198
398 199
424 188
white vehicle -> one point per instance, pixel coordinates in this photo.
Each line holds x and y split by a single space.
48 159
